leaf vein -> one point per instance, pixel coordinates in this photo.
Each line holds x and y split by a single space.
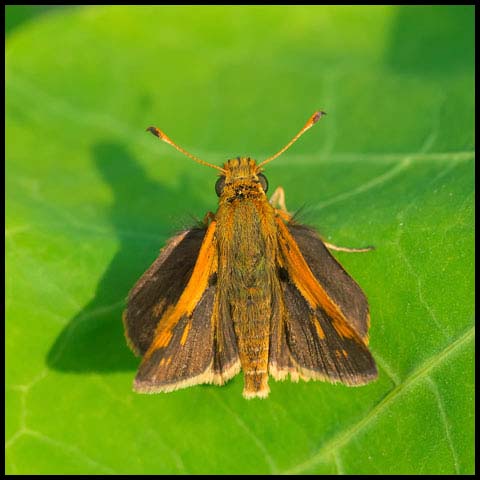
344 437
446 423
261 446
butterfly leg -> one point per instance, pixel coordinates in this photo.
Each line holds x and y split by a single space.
330 246
209 217
277 200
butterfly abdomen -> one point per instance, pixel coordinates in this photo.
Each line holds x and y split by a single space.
246 265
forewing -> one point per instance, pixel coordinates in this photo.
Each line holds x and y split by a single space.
318 350
344 291
321 343
189 344
186 359
160 287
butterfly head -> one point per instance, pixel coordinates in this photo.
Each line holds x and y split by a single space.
241 176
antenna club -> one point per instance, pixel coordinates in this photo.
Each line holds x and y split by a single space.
155 131
317 116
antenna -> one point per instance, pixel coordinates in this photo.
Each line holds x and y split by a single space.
310 123
158 133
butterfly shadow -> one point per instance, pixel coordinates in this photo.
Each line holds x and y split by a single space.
141 214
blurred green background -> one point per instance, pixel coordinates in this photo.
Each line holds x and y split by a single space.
91 198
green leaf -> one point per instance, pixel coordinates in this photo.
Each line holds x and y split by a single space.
16 15
91 198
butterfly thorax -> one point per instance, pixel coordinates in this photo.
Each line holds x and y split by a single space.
247 248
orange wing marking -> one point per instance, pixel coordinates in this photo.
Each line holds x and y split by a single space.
308 285
320 332
205 265
187 328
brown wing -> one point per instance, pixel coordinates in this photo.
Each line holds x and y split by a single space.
318 335
160 287
186 359
320 351
186 338
344 291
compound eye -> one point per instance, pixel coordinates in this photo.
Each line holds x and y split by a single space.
263 181
220 185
